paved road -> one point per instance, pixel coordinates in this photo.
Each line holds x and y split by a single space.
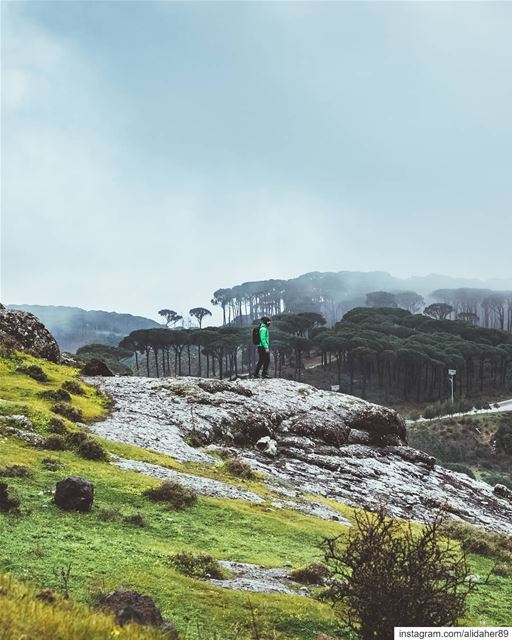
506 405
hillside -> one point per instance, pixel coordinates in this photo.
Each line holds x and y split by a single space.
127 540
73 327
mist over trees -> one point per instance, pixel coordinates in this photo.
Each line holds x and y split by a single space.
334 294
73 327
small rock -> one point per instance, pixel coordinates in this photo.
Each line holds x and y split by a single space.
267 445
503 492
74 494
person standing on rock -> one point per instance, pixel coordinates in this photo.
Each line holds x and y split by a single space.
263 349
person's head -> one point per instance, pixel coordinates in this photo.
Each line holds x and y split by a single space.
265 320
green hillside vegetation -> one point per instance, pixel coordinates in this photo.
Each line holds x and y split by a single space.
479 445
130 541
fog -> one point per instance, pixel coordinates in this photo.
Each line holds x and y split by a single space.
155 152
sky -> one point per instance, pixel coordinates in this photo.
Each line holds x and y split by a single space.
153 152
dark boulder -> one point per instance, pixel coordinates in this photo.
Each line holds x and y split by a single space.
74 494
23 331
132 606
9 500
96 367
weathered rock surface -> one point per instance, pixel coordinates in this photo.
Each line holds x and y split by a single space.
23 331
327 444
74 494
219 489
20 427
251 577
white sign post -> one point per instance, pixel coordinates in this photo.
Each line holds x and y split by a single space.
451 374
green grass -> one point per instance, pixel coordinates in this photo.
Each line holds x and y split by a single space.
106 553
19 393
110 554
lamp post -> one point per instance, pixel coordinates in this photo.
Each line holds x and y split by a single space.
451 374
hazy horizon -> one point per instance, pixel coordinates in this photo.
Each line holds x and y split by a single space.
155 152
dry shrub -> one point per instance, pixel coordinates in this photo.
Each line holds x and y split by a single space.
313 573
92 450
388 575
200 565
74 387
51 464
35 372
75 438
174 494
14 471
56 425
135 519
59 395
68 411
55 442
236 467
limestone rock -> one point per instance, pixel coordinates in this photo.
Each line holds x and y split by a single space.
74 494
328 444
23 331
267 445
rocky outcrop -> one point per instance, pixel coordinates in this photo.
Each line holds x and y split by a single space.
23 331
315 442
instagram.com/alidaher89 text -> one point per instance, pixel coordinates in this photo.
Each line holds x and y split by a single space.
469 633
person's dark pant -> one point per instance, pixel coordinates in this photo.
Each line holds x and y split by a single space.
264 361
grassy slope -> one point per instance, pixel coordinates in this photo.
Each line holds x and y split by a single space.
106 553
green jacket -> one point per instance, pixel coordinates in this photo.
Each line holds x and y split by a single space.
264 336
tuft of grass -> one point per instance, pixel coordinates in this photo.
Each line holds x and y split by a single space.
313 573
239 469
55 442
34 371
92 450
57 395
174 494
14 471
197 565
68 411
74 387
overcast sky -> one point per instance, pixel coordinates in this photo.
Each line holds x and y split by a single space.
153 152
